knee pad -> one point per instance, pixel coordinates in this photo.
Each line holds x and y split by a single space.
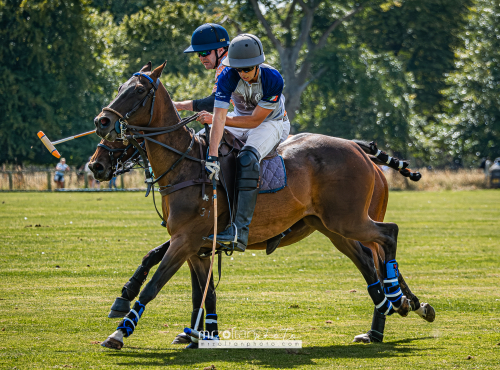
248 172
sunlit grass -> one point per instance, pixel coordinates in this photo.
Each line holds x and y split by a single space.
60 279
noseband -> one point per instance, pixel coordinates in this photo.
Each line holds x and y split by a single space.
117 165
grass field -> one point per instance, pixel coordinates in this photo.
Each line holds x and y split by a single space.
59 280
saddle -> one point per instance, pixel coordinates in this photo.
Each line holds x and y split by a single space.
229 149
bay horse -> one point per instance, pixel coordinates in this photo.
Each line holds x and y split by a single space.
330 186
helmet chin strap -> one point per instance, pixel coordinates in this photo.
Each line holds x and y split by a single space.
217 58
256 70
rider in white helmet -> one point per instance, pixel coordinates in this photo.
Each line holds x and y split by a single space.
258 119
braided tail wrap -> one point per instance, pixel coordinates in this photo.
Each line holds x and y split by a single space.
394 163
129 322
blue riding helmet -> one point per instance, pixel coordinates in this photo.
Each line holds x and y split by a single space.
209 36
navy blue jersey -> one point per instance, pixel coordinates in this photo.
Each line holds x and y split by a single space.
266 92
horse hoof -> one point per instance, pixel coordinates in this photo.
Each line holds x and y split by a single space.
120 308
405 307
116 314
362 338
426 312
192 345
112 343
182 338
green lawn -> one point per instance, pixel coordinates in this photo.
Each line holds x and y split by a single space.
449 252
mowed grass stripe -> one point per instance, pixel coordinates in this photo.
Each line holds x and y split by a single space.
52 317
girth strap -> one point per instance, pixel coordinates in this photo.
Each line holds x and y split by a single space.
173 188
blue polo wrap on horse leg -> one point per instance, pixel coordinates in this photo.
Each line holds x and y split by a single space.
211 326
382 304
391 284
129 322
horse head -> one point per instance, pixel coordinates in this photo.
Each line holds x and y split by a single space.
133 105
110 157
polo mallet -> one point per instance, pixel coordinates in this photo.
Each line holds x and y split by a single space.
195 334
50 144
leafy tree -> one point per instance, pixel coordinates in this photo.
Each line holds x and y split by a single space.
471 127
363 69
53 77
361 95
158 33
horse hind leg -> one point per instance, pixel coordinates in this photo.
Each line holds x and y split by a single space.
363 258
385 234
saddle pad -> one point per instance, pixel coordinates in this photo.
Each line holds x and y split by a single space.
272 175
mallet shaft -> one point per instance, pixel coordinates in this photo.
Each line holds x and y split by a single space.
73 137
50 144
214 182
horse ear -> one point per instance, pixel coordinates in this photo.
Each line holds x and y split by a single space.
158 71
147 67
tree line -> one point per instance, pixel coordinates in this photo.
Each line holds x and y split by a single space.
420 77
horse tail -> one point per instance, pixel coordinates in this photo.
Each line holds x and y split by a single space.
382 158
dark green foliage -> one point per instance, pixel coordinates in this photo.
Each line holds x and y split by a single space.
473 114
120 9
359 96
48 71
423 34
160 33
420 77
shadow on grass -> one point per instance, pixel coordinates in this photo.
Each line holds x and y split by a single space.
267 358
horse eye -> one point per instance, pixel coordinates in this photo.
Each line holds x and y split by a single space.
140 91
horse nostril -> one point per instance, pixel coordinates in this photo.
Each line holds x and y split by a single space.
98 167
104 121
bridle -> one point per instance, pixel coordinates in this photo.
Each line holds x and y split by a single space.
123 119
135 132
117 165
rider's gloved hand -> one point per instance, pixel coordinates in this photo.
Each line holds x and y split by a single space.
212 166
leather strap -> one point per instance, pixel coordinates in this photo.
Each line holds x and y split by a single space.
173 188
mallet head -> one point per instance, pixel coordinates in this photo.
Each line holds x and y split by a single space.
45 140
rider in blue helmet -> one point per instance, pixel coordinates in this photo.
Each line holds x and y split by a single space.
211 42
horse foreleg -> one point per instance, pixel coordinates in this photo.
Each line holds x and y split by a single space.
131 289
199 272
196 296
201 268
178 252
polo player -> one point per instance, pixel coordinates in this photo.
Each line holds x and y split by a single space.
259 120
210 41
